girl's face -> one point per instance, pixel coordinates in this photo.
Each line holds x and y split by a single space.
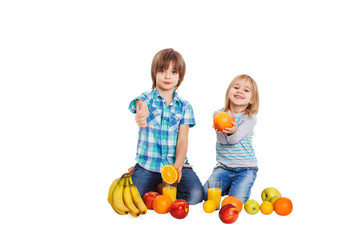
240 94
167 79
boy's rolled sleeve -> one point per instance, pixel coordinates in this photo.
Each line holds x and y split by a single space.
132 105
189 117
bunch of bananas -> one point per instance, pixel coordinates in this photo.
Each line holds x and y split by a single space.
124 197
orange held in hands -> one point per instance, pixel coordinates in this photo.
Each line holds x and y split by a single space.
222 120
169 174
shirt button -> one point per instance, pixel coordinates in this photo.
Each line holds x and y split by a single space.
163 140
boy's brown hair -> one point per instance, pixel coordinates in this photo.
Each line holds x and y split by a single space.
253 107
161 61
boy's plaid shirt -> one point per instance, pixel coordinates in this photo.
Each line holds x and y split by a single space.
157 142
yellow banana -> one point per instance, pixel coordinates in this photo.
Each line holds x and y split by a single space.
111 190
133 214
137 198
128 199
118 200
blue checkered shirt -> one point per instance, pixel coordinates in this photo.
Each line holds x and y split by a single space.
157 142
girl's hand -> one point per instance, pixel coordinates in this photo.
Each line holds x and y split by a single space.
232 130
142 113
215 129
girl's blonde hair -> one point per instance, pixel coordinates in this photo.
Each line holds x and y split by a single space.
253 107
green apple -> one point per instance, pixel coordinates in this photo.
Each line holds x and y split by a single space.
273 199
269 192
251 206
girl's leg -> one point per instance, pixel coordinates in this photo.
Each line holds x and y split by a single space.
220 173
243 182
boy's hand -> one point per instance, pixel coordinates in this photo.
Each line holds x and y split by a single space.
179 168
142 113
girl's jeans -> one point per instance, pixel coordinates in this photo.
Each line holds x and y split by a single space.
235 181
189 188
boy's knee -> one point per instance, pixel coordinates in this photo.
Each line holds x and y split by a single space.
196 196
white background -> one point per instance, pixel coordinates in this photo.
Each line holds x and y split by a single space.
69 69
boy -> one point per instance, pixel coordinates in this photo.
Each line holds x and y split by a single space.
164 120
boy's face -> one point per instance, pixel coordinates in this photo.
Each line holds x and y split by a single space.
167 79
241 93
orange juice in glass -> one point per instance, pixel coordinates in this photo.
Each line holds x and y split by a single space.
170 190
214 191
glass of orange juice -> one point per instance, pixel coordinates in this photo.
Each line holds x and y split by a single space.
170 190
214 191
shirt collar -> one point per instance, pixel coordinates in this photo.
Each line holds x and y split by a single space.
156 94
236 114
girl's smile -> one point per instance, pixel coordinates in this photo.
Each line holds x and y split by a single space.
240 96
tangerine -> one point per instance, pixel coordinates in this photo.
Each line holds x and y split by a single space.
234 201
266 207
222 120
169 174
209 206
162 204
283 206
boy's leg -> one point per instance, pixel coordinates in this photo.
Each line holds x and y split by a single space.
223 174
190 188
243 182
145 180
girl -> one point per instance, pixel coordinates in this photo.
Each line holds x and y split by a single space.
237 165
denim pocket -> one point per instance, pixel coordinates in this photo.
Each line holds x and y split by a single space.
253 168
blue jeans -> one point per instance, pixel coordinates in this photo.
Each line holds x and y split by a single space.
235 181
189 188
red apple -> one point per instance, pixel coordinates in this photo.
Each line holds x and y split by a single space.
159 188
179 209
149 199
228 213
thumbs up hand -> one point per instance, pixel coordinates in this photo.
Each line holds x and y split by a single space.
142 113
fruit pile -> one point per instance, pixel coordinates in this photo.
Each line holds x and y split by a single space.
272 201
163 204
231 206
124 197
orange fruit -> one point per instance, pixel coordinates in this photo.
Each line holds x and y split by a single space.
169 174
162 203
266 207
222 120
283 206
234 201
209 206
